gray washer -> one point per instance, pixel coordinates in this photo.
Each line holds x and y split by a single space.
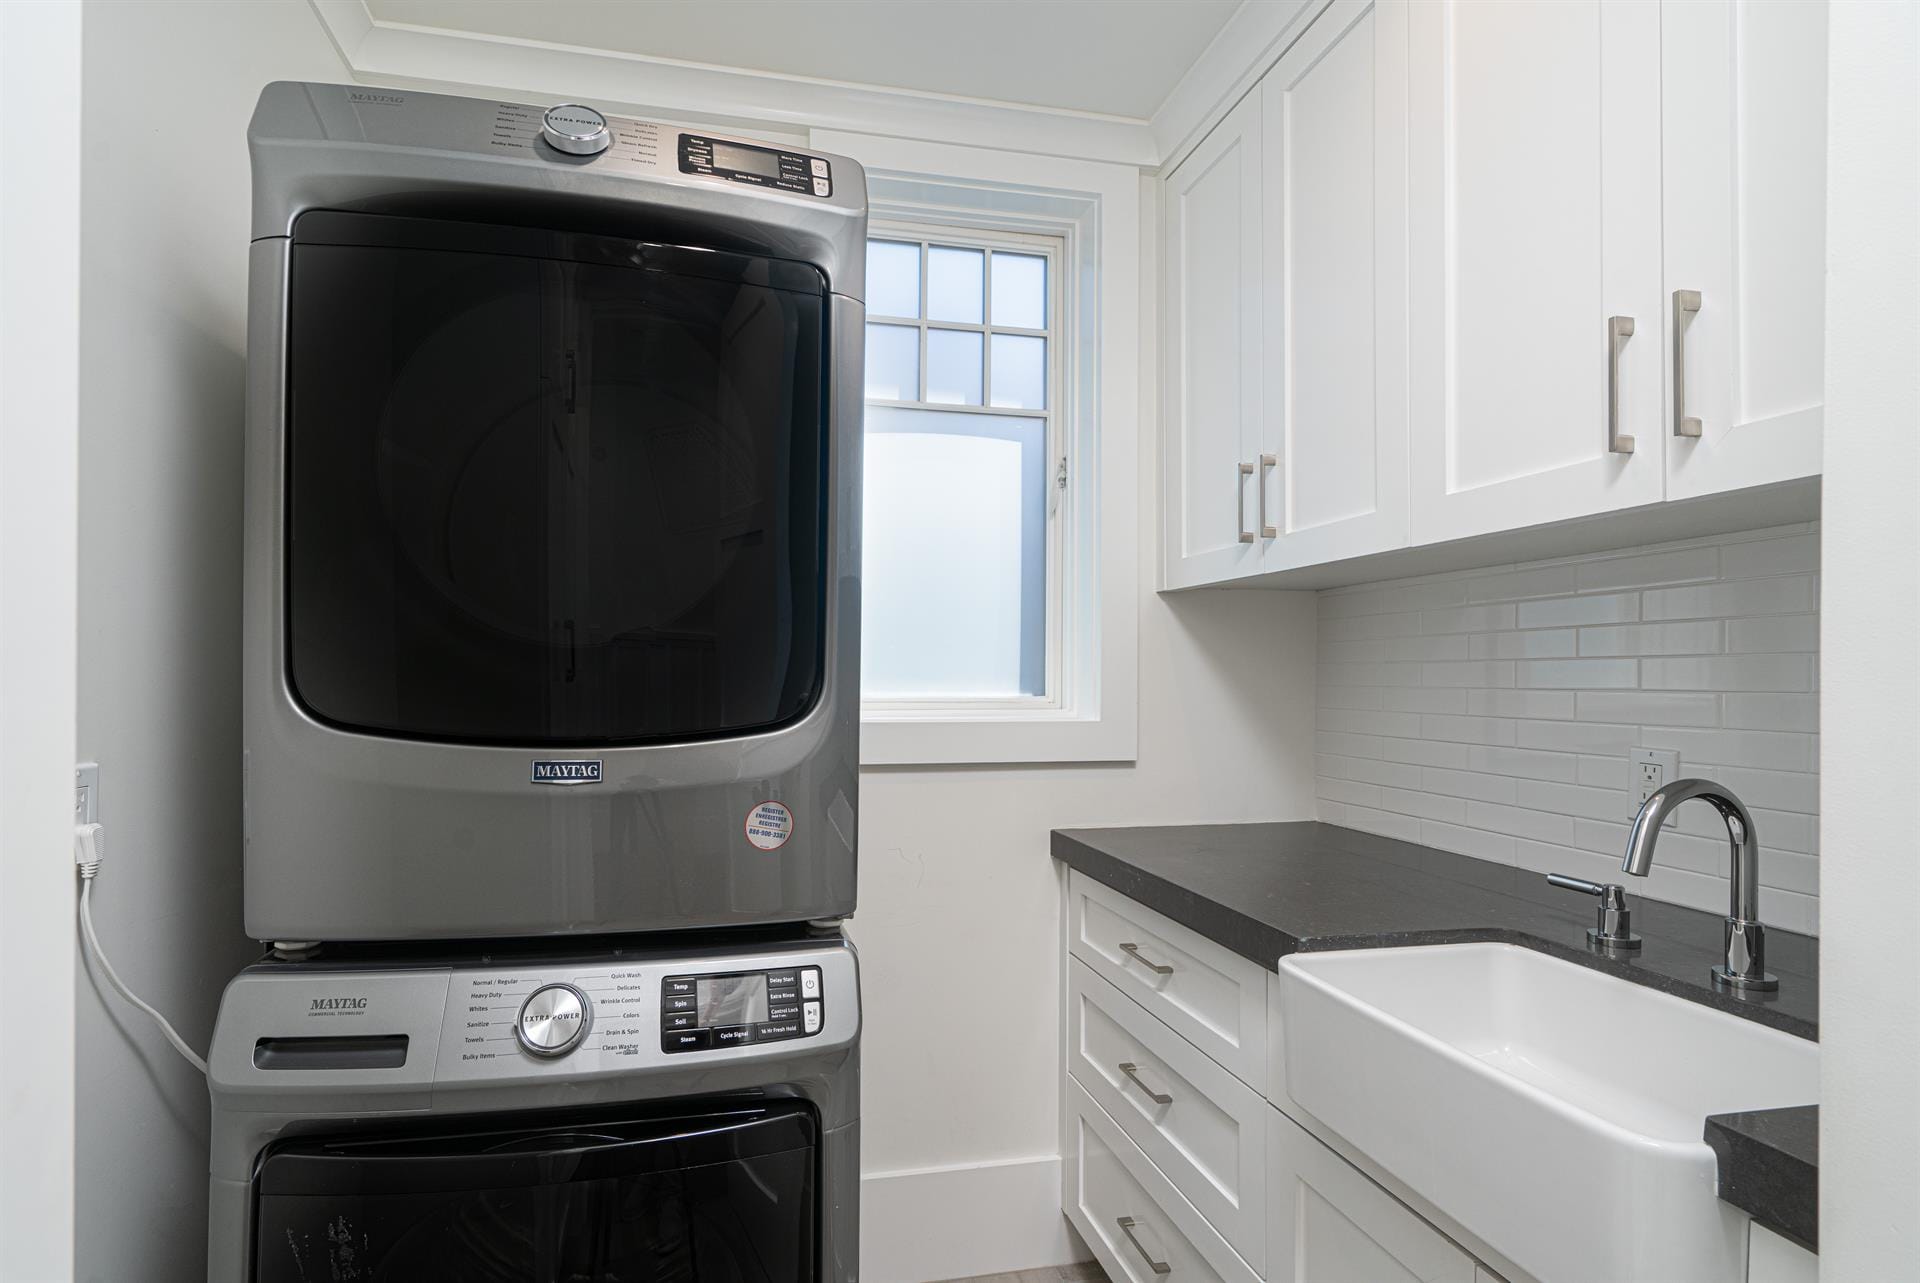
309 1050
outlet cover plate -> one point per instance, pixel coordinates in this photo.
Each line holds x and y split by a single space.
1649 769
86 793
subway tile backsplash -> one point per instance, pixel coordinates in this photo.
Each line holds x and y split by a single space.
1491 712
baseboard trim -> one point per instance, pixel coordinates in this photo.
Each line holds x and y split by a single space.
937 1223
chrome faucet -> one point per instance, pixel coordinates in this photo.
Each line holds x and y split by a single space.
1743 960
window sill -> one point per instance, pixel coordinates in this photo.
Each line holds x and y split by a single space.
1000 739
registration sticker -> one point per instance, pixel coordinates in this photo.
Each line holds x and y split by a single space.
769 825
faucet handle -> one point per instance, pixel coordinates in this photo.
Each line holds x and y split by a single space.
1613 929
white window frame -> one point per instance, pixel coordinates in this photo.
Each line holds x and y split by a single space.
1093 211
1061 622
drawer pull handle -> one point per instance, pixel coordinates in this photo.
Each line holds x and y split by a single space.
1158 968
1126 1224
1131 1070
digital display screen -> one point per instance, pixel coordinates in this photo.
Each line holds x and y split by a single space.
732 1000
746 160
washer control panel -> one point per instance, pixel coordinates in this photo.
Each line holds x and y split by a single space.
757 166
737 1008
614 1014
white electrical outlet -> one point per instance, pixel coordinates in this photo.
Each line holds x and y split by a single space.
86 793
1648 769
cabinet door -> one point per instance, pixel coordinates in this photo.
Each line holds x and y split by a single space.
1213 353
1534 217
1331 1224
1745 123
1333 468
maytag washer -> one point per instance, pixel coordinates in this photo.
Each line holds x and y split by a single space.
525 1117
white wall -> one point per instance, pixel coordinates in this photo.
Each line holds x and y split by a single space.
1491 711
959 920
168 89
1870 752
39 449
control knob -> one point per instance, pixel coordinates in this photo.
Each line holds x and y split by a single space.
575 130
553 1019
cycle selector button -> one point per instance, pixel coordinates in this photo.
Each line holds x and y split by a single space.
575 130
553 1020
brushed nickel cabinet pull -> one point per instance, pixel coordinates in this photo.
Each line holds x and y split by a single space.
1240 500
1126 1224
1685 304
1268 462
1158 968
1619 330
1132 1071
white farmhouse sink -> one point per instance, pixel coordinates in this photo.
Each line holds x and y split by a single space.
1552 1110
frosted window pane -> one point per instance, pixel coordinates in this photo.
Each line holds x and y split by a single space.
1020 291
1019 372
893 363
953 367
893 279
954 284
953 585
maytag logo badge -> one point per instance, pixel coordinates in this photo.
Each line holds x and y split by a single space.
336 1004
581 771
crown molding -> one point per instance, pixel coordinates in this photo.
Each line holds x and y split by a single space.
398 53
1250 42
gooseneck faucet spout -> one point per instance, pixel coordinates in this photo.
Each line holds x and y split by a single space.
1743 965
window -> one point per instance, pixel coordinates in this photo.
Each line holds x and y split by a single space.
1001 592
965 470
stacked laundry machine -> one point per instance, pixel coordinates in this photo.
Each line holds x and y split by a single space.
552 691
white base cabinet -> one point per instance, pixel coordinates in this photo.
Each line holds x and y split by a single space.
1180 1162
1330 1224
1772 1258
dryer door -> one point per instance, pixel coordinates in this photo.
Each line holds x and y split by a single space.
725 1196
551 489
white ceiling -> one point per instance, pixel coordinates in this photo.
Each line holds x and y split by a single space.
1116 57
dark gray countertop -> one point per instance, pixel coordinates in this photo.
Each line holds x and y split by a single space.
1267 890
1770 1167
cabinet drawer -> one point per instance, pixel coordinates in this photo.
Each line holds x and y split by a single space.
1213 997
1202 1127
1135 1222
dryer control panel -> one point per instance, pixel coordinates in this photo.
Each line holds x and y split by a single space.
702 1012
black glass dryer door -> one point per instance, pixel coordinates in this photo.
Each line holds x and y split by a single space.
550 489
724 1198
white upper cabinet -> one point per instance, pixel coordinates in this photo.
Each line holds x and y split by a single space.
1458 268
1534 210
1744 84
1333 460
1213 374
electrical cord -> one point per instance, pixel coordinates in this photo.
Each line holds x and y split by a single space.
89 845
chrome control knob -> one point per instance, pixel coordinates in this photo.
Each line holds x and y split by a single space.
553 1020
575 130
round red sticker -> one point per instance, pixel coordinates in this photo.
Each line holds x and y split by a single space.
769 825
